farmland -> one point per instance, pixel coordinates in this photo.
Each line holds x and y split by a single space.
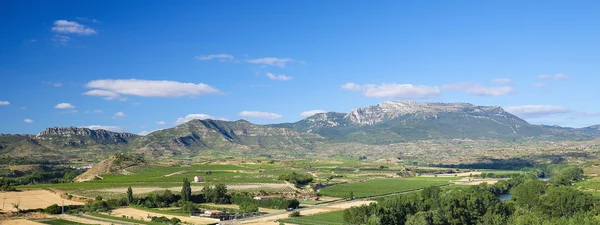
380 187
332 182
330 218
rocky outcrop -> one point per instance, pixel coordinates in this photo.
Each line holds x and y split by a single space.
393 109
86 132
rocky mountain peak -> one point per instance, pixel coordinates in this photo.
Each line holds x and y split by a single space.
392 109
82 132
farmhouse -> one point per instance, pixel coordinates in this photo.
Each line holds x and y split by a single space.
264 197
198 179
211 213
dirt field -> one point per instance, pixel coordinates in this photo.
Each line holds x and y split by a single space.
20 222
33 200
270 220
140 214
237 187
231 206
466 181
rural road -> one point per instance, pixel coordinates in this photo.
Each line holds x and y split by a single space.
310 210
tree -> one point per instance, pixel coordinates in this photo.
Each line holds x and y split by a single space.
130 195
248 207
186 190
527 194
351 197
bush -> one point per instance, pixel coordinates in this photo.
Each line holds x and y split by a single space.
294 214
53 209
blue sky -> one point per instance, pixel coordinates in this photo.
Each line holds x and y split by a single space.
138 67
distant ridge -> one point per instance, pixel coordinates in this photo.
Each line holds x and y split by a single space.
385 123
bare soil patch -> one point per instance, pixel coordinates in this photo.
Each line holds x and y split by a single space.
34 199
20 222
329 208
467 181
140 214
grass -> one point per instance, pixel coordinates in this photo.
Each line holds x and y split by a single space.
122 219
59 222
153 176
379 187
330 218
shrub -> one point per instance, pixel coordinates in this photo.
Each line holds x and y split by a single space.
294 214
53 209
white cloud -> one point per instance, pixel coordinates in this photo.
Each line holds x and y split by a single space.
478 89
271 61
112 89
97 111
540 84
61 39
311 112
161 123
262 115
561 77
189 117
70 27
279 77
536 111
85 19
351 87
220 57
554 77
4 103
120 114
501 81
64 106
28 121
394 90
101 127
145 132
55 84
108 95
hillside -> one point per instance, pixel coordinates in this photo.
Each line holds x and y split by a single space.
112 164
237 136
58 142
397 121
383 124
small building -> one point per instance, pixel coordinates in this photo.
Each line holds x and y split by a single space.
198 179
212 213
264 197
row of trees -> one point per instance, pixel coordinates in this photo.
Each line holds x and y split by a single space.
533 202
297 178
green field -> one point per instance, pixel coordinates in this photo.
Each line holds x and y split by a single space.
379 187
60 222
330 218
122 219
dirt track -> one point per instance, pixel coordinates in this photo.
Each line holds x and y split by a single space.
140 214
270 220
33 200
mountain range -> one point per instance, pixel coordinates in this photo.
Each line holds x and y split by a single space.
386 123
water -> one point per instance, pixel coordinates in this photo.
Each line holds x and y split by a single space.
505 197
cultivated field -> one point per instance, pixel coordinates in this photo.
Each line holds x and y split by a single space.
330 218
380 187
33 199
